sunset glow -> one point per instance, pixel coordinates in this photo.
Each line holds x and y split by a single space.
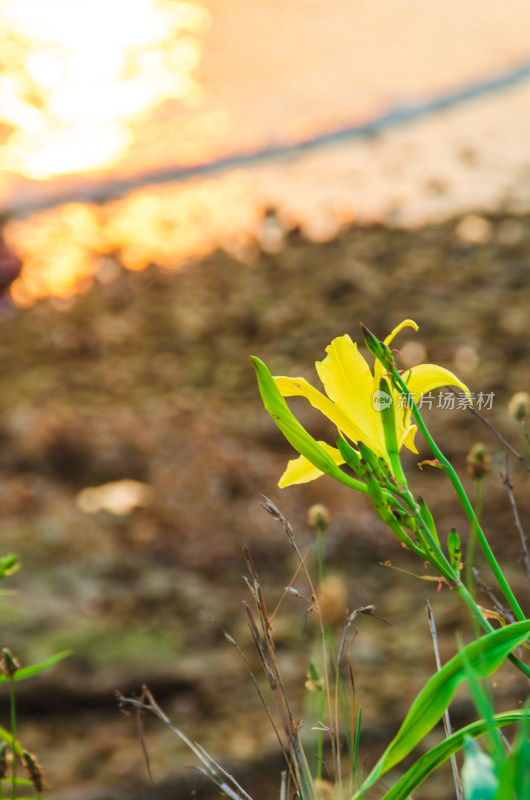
63 249
108 108
76 76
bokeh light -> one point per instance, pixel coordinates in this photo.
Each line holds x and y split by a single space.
75 76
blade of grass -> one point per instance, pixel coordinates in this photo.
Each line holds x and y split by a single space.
34 669
486 654
430 761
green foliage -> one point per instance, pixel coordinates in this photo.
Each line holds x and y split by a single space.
28 672
455 549
489 772
479 781
13 673
427 763
8 565
485 655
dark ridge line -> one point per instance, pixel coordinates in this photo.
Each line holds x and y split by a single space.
395 117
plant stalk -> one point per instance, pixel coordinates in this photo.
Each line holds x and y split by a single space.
466 505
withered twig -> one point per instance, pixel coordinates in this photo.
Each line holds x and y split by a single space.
472 410
509 488
446 718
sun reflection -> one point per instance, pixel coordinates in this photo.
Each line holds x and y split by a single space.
75 76
62 249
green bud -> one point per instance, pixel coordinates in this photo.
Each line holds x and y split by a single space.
406 520
350 455
377 348
377 497
371 459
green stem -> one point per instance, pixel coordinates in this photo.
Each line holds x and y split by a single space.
470 551
466 505
320 738
320 555
320 531
13 738
434 552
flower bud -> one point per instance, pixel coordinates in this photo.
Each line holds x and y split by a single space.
519 406
319 517
377 348
478 461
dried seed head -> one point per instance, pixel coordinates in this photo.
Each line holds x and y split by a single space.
519 406
319 517
478 461
9 663
33 770
3 760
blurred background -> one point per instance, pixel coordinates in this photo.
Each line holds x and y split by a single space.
183 184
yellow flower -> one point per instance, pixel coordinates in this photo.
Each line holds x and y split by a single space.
352 405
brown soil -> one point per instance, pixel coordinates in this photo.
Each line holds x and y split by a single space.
147 377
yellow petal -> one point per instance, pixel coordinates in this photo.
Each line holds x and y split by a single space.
349 383
407 439
420 380
407 323
300 470
299 387
426 377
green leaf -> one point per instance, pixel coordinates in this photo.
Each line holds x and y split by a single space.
455 550
486 655
7 737
293 431
34 669
430 761
514 775
479 781
8 565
